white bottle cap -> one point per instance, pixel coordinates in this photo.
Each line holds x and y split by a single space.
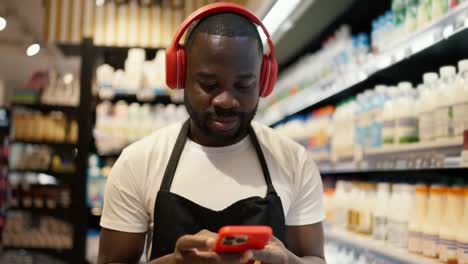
448 71
463 66
380 88
405 86
430 77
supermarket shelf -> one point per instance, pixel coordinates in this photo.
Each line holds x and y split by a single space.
59 212
438 155
133 98
54 145
406 58
60 253
436 145
376 247
48 108
60 175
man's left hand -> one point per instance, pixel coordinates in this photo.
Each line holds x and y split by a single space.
273 253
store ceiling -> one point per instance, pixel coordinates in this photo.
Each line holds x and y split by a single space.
309 21
25 26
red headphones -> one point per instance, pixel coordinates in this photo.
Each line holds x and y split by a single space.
175 53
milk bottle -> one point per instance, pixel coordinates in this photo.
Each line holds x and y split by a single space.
443 111
462 237
427 104
418 214
437 196
460 103
449 225
407 119
380 223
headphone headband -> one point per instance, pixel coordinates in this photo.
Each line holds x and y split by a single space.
221 7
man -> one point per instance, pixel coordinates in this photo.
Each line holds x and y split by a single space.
175 188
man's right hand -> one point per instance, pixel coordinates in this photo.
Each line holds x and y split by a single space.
197 248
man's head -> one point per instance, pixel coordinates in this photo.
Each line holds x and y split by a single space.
224 56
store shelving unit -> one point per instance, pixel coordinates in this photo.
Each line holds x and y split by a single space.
379 248
438 43
47 108
77 212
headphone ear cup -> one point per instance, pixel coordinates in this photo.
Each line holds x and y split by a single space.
272 76
171 67
181 67
264 75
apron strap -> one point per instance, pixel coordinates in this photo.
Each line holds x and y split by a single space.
179 147
175 157
263 163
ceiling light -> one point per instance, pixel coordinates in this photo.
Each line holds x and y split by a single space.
33 50
3 23
68 78
278 14
100 2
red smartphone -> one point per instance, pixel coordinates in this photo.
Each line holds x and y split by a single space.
234 239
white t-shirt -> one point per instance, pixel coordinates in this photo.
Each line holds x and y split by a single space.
211 177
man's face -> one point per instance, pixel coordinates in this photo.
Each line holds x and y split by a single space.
222 85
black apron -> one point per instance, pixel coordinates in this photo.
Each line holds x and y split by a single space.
175 216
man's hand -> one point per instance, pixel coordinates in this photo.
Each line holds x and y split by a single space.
198 249
273 253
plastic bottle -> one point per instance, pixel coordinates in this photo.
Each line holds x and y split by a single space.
445 93
427 105
380 223
439 8
375 128
460 103
462 237
340 205
392 218
418 214
424 12
437 202
407 119
449 225
411 20
367 205
399 12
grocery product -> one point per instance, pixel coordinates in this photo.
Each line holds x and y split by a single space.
400 206
462 237
445 94
424 12
431 227
381 211
411 17
418 214
427 103
460 103
449 225
439 8
407 121
118 125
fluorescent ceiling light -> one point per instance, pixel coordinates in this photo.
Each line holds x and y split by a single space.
33 50
3 23
100 2
278 14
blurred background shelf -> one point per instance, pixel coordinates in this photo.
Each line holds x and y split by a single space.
377 247
60 175
47 108
54 145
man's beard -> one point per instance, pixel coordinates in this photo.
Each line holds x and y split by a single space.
200 119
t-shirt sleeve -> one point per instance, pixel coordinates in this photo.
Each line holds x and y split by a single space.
123 201
307 207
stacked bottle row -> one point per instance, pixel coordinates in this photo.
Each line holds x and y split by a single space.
37 126
23 230
428 220
405 17
50 88
121 124
32 192
386 115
